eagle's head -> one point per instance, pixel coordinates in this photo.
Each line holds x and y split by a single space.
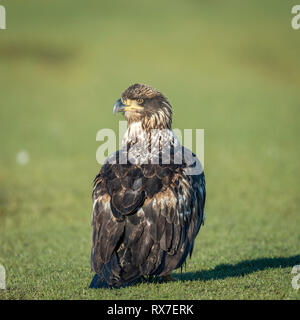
142 103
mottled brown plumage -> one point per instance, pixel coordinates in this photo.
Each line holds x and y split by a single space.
148 197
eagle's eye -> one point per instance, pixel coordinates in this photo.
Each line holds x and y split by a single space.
140 101
123 101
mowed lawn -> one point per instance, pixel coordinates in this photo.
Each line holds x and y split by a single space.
229 67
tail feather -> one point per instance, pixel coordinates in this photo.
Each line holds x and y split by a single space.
98 283
115 274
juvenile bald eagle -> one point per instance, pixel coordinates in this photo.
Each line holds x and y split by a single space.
148 197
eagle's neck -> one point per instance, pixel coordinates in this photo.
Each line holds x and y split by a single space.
137 133
134 133
146 145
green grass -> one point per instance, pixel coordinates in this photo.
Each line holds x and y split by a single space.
231 68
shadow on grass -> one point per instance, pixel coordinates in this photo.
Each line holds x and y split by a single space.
224 271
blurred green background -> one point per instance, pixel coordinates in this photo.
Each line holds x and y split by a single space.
230 67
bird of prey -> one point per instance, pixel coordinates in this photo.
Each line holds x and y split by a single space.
148 198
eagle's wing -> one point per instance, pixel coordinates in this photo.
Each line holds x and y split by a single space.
174 216
145 219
